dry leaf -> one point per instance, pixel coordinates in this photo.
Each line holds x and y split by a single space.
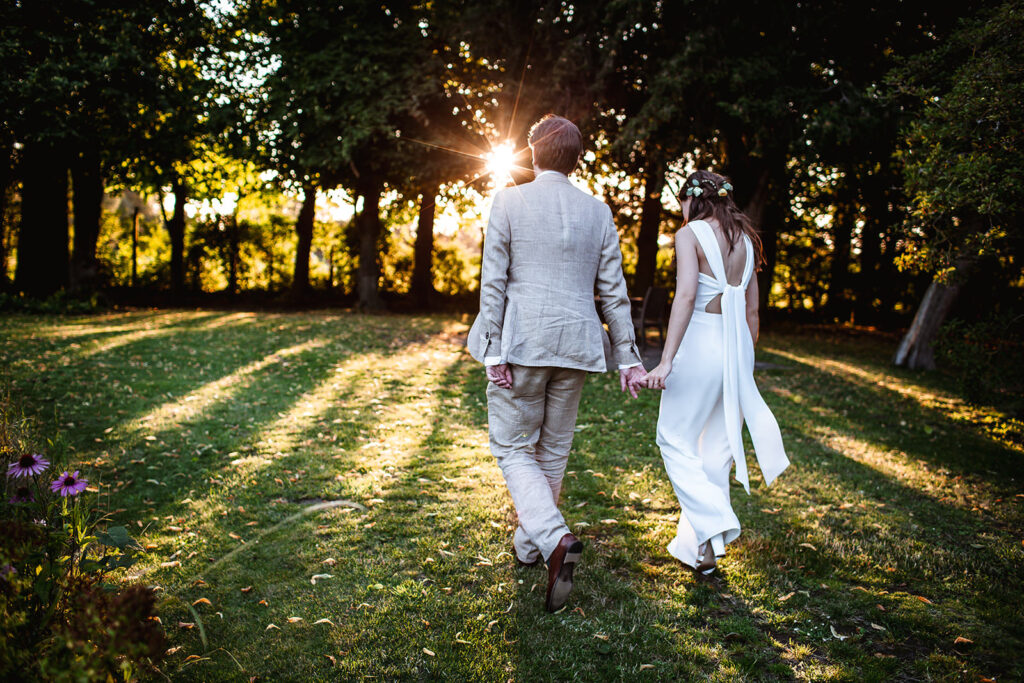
330 562
262 602
246 589
787 596
458 639
319 577
172 650
201 601
600 636
924 600
609 521
294 620
172 563
235 536
270 626
877 627
186 624
960 640
807 545
191 658
429 653
646 666
836 633
325 620
334 662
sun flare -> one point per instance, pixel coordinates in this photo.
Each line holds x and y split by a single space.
500 161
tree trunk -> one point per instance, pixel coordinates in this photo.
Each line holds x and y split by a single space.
650 227
176 229
422 286
135 246
87 199
837 304
43 255
368 276
304 231
915 350
759 210
233 251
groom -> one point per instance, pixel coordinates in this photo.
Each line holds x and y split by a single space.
549 247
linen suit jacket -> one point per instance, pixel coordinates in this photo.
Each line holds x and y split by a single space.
549 248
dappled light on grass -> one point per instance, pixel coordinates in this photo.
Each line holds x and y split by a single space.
317 500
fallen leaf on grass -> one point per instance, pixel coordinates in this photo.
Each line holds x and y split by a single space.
334 662
262 602
325 620
960 640
601 636
877 627
609 521
330 562
807 545
173 650
429 653
294 620
191 658
646 666
270 626
924 599
860 588
787 596
172 563
836 633
458 639
772 511
186 624
580 610
319 577
202 601
246 589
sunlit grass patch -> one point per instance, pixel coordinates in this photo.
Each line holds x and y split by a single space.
328 474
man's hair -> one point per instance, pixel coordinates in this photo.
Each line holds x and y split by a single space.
556 143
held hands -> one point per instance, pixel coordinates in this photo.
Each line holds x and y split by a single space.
500 374
656 378
632 379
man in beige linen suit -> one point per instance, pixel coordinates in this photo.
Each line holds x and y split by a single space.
549 247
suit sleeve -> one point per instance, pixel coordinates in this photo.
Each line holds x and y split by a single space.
494 277
611 287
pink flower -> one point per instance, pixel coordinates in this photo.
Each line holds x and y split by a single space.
22 494
69 484
26 465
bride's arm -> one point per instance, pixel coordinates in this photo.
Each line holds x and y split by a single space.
753 301
687 268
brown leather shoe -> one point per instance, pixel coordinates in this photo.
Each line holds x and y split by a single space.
560 565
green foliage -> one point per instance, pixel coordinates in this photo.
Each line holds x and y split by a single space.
963 150
61 302
984 357
60 619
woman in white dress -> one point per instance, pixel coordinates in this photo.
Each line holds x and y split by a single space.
707 372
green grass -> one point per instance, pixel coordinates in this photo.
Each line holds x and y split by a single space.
897 530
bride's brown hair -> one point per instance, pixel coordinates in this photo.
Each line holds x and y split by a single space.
711 197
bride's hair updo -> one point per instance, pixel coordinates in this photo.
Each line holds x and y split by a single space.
710 196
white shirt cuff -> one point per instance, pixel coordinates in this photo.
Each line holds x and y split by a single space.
627 367
493 360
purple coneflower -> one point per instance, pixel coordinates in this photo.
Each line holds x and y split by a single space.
22 494
26 465
69 484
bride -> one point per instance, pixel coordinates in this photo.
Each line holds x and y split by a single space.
707 372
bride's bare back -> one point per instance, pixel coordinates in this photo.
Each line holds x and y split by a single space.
735 261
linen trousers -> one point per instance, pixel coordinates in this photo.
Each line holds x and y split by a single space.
531 428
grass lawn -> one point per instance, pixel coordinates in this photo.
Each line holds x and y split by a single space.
251 452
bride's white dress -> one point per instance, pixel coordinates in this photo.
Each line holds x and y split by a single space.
707 397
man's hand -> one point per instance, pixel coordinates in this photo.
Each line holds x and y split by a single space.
500 374
631 379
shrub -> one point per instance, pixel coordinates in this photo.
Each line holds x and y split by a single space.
984 357
60 616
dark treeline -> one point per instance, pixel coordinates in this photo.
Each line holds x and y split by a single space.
877 145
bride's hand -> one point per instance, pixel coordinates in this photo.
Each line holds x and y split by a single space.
656 378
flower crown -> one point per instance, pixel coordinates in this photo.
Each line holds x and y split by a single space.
695 190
